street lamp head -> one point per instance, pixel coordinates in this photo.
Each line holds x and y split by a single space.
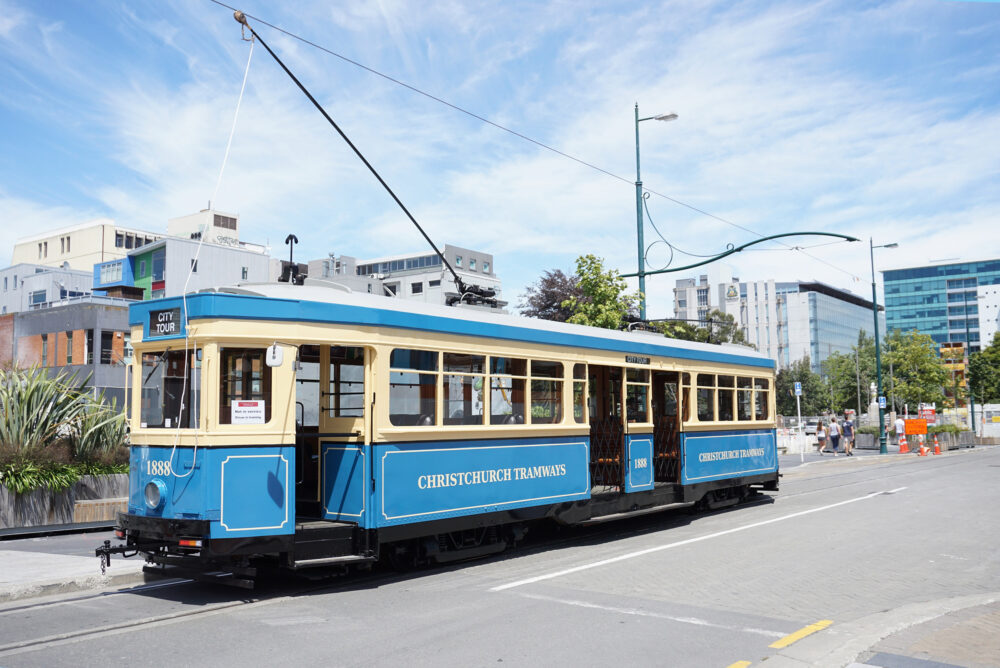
892 245
665 117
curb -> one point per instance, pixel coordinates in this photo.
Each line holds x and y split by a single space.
75 584
841 644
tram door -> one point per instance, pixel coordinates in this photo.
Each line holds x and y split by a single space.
344 441
307 410
607 429
666 433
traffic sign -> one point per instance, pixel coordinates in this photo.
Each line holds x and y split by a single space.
798 389
881 402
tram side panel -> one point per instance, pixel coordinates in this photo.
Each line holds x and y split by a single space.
241 492
420 482
720 455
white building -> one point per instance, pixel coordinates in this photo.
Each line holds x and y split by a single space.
33 286
414 276
988 300
82 246
217 227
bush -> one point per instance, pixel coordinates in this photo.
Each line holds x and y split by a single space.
52 431
931 430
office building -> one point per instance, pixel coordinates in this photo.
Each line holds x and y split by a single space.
940 300
786 321
988 301
80 246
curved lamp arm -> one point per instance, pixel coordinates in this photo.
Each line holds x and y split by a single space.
746 245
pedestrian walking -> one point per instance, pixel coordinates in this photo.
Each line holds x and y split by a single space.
821 436
848 429
834 436
900 429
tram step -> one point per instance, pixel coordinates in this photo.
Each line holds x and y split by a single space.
324 530
330 561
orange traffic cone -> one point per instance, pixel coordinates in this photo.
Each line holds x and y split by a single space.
937 446
923 448
903 448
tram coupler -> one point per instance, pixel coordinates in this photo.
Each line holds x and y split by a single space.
106 550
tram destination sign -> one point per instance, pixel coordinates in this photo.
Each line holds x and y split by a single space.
633 359
166 322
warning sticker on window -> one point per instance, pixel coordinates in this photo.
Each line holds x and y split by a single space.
248 411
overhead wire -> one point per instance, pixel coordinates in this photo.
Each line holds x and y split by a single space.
526 138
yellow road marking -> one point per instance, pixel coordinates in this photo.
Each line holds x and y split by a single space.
739 664
801 633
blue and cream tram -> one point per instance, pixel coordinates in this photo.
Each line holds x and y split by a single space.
305 425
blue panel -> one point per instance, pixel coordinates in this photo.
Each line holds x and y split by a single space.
717 455
242 491
640 463
248 307
256 496
345 472
417 482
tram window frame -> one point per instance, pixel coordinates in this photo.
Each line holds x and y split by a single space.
637 390
725 399
547 384
162 362
705 397
421 366
744 399
246 391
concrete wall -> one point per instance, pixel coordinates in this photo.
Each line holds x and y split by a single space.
43 506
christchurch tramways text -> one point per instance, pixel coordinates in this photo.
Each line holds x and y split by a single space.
489 475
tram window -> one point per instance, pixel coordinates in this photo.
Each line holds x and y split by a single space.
686 396
463 394
506 400
546 401
546 369
761 402
412 400
725 403
726 381
508 366
347 382
245 392
670 398
635 401
307 387
744 399
421 360
163 385
579 392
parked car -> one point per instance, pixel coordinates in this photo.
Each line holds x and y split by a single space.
810 427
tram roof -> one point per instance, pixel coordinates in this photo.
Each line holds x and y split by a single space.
323 303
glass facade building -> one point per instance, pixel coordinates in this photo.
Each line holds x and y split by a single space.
939 300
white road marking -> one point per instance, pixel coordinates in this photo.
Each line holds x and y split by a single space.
645 613
689 541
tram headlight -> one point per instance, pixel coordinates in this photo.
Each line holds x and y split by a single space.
155 492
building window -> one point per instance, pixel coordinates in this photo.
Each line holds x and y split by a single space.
39 251
69 348
416 288
194 266
45 349
129 241
37 297
226 222
159 260
142 268
67 244
434 284
119 240
15 281
458 260
245 272
5 284
472 264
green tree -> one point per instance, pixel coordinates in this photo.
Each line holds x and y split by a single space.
815 393
721 328
984 373
678 329
850 373
602 301
918 374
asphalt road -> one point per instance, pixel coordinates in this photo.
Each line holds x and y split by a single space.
847 549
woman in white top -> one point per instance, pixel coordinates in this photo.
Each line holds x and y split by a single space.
821 437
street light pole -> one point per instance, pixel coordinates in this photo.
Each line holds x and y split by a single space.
638 208
968 381
878 354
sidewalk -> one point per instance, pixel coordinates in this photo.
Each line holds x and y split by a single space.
32 567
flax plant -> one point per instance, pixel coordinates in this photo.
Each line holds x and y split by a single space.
37 408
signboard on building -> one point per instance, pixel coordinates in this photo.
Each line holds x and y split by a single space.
166 322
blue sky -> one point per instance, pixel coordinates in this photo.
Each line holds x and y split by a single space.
864 118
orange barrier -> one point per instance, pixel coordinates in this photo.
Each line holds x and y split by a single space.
903 447
937 446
